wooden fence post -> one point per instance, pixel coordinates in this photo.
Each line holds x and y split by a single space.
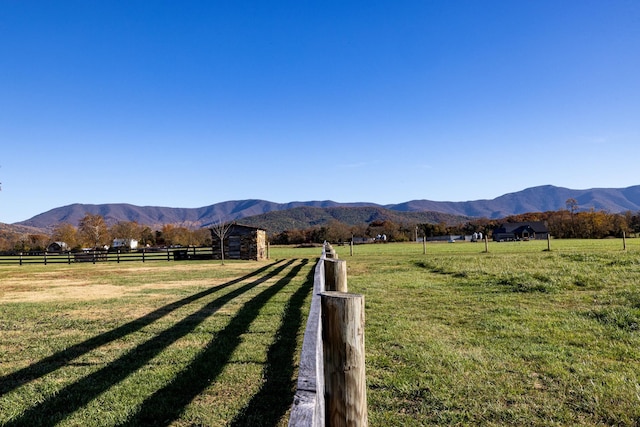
142 254
548 242
45 257
486 243
624 241
344 359
335 275
424 244
20 258
168 254
69 257
351 247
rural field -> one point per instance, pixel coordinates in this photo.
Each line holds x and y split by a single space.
516 336
163 343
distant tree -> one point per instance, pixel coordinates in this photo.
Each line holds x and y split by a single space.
221 230
129 230
93 230
201 237
176 235
147 236
572 207
67 233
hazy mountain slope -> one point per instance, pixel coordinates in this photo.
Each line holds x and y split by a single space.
536 199
157 216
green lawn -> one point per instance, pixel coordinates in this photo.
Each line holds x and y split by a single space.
456 336
516 336
190 343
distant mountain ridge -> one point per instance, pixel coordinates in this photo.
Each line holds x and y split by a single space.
535 199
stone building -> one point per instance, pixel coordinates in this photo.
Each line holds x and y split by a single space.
241 242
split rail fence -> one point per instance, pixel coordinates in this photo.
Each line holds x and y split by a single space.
331 388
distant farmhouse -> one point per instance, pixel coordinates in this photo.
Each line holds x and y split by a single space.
533 230
241 242
124 244
57 247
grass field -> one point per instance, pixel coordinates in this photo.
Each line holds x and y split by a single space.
186 343
516 336
456 336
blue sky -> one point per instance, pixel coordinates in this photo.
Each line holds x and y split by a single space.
190 103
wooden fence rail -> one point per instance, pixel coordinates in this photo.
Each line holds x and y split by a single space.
144 255
331 388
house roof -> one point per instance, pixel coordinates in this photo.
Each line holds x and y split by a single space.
536 226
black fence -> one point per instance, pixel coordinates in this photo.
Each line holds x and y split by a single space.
95 256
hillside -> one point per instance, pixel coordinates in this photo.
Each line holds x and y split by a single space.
154 216
536 199
304 217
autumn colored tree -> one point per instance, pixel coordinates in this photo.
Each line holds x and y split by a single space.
93 230
67 233
147 236
176 235
129 230
201 237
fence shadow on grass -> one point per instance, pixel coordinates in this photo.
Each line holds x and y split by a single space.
274 398
167 403
64 357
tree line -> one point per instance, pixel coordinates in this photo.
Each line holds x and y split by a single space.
92 231
564 224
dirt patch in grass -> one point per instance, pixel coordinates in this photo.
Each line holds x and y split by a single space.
67 290
93 282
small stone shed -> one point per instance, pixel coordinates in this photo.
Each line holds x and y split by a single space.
241 242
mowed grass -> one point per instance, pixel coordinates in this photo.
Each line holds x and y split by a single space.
164 343
456 336
515 336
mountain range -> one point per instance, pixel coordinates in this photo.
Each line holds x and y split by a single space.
301 214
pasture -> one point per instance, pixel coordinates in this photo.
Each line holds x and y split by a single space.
456 336
179 343
517 336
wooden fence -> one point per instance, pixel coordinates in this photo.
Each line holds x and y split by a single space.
331 388
143 255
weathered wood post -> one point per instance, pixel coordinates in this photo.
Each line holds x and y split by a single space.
69 257
344 359
168 254
45 257
118 256
335 275
351 247
424 244
143 254
330 252
486 243
624 241
548 242
20 258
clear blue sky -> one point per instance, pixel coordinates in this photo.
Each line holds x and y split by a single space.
190 103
